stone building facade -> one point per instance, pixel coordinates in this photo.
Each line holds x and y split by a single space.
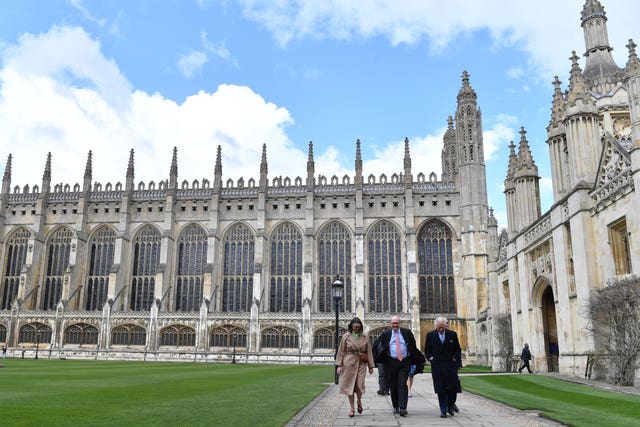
202 270
549 263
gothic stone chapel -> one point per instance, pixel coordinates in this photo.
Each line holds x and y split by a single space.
189 270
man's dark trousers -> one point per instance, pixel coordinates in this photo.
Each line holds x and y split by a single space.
396 373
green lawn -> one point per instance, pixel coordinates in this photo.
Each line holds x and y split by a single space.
85 393
566 402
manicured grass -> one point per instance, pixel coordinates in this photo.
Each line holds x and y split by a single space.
85 393
566 402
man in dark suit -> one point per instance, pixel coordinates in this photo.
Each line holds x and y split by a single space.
442 349
397 347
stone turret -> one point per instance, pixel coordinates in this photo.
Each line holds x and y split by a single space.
46 176
130 173
449 153
526 181
88 172
6 178
408 178
600 68
358 166
310 167
173 170
217 171
264 169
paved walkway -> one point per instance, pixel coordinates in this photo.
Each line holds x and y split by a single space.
332 409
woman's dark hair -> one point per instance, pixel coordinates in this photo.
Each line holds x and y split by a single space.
355 320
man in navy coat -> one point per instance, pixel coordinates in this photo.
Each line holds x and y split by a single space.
442 349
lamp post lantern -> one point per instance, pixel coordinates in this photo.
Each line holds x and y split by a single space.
337 289
234 337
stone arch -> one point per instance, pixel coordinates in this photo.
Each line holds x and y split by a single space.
80 333
178 336
222 336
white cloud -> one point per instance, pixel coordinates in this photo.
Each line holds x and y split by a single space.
515 73
500 135
59 94
191 63
218 48
544 29
84 12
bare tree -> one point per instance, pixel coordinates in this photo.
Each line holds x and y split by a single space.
615 316
504 341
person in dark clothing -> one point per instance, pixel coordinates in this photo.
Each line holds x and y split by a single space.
442 349
526 357
383 389
396 348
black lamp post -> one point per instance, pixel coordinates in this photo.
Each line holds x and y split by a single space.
37 340
337 289
234 337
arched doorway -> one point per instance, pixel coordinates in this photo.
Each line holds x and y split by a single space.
550 329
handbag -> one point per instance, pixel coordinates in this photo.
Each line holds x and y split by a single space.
363 357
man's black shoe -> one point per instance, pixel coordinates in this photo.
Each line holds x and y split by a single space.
403 412
387 393
381 392
443 415
395 410
455 407
450 411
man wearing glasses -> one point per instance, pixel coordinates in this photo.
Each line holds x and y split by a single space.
398 346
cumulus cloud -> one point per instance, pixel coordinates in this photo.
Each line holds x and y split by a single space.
59 94
191 63
530 26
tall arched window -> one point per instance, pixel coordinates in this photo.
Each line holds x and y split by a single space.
286 270
58 250
435 277
16 254
146 256
385 269
101 248
334 258
192 259
237 280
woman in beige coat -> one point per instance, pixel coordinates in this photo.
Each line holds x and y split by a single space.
351 368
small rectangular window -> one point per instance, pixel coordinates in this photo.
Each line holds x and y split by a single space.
619 242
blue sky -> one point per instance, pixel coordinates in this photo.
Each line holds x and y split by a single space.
112 75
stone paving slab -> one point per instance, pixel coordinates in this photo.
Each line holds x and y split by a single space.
332 409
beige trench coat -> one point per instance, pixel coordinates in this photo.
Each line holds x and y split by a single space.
353 370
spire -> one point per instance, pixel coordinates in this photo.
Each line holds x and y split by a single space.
88 169
577 84
513 160
493 222
557 104
466 94
6 178
264 170
448 155
310 166
408 179
358 164
88 172
599 61
47 169
173 171
130 172
525 158
217 171
46 176
633 64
